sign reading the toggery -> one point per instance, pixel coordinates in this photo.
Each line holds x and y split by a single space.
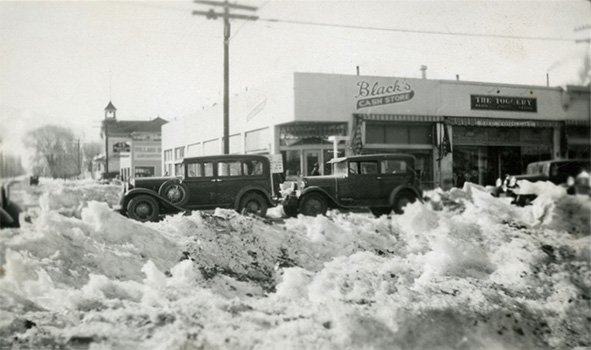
376 94
504 103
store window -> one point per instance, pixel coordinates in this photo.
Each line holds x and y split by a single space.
292 160
257 141
378 133
167 155
179 153
144 171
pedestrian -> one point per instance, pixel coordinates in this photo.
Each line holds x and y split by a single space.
315 171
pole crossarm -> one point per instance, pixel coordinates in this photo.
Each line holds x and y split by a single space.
214 15
226 15
234 6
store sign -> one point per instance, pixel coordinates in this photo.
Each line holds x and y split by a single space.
376 94
504 103
276 163
120 147
146 152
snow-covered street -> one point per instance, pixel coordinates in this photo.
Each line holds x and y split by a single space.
464 270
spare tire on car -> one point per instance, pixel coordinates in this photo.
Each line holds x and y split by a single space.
174 191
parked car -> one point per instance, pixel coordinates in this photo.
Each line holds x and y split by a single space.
569 173
380 182
242 182
9 211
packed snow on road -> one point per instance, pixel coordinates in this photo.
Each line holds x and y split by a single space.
464 270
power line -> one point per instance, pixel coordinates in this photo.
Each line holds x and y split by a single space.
414 31
400 30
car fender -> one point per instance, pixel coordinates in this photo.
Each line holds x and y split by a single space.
400 188
5 218
161 200
251 189
320 190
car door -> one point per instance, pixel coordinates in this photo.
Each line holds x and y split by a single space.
393 173
361 187
229 182
201 184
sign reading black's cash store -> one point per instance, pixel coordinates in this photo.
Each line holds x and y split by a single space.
504 103
376 94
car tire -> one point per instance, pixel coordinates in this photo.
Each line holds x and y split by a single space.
175 192
253 203
402 199
143 208
379 211
313 204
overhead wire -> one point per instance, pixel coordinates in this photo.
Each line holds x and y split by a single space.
416 31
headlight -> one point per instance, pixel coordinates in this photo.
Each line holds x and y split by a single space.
302 183
512 181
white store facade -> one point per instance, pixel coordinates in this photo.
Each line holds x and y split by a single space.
457 130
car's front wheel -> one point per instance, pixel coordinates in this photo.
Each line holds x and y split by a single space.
143 208
313 204
253 203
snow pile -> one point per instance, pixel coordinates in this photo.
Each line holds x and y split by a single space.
464 270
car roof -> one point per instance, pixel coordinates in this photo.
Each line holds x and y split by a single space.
373 157
226 157
561 161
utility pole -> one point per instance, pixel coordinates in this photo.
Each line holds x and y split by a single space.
211 14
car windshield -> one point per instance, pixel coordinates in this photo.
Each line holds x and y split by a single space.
340 169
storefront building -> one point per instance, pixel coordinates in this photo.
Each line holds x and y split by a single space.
458 131
132 147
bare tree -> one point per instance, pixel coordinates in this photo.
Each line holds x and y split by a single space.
56 153
89 151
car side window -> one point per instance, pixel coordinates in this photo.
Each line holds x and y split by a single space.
391 166
252 168
353 168
194 170
208 169
229 168
368 168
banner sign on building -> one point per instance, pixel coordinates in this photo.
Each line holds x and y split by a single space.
376 94
504 103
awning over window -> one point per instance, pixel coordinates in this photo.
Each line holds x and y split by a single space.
577 122
494 122
309 130
401 118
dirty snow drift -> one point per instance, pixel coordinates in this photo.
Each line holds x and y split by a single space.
464 270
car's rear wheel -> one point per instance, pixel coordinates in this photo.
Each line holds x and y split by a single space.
313 204
143 208
175 192
377 212
253 203
403 199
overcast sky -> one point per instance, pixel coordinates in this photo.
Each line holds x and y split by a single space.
61 62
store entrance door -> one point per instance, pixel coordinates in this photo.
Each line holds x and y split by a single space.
504 161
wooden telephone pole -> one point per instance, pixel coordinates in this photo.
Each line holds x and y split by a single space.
226 15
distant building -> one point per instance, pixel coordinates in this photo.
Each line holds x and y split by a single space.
132 147
457 130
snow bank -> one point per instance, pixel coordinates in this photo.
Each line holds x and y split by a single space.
464 270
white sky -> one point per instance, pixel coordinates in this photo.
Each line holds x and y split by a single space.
61 62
